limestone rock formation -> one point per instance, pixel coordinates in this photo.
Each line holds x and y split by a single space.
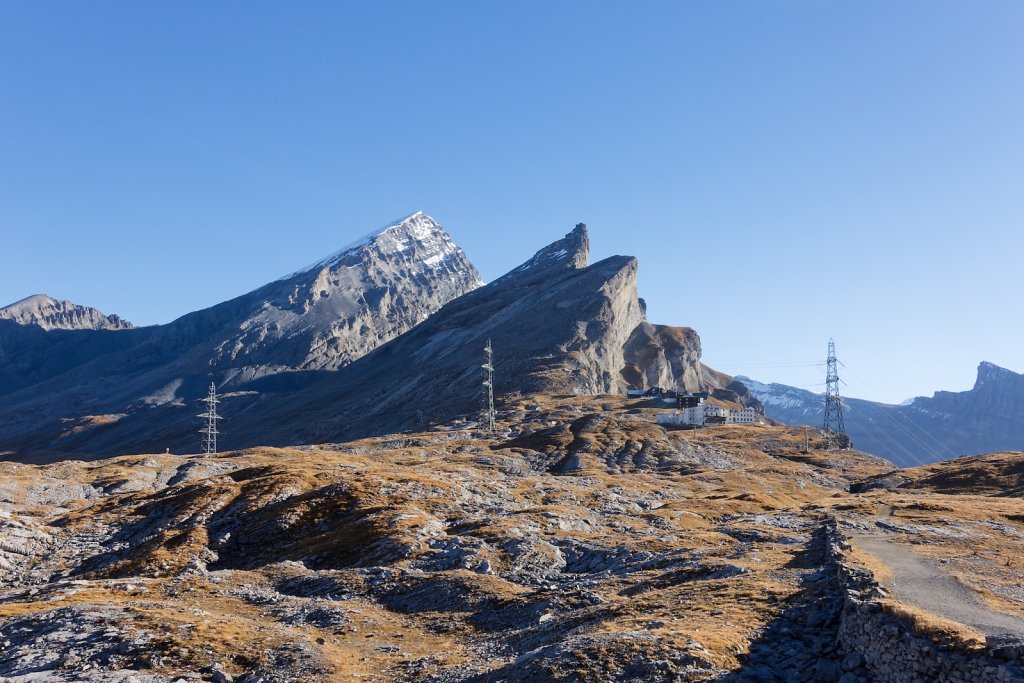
663 356
328 315
581 542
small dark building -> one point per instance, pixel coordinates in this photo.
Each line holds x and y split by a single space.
691 400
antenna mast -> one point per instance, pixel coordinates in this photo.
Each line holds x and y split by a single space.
834 427
489 383
209 430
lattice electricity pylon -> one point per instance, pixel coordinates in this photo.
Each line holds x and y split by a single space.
835 426
489 384
209 430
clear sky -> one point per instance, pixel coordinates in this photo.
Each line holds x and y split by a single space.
785 171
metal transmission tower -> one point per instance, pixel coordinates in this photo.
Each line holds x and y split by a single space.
835 427
489 383
209 430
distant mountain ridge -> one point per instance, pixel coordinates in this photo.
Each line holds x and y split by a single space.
984 419
57 384
557 324
56 314
385 335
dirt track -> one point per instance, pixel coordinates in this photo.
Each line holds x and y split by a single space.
921 582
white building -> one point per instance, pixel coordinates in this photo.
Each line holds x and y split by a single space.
744 416
687 417
705 413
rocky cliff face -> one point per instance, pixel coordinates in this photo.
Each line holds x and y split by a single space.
55 314
984 419
328 315
663 356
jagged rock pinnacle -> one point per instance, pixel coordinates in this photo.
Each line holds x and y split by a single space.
572 252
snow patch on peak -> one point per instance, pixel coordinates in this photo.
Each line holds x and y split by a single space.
417 225
573 251
780 395
751 383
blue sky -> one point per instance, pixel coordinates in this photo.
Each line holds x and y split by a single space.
785 171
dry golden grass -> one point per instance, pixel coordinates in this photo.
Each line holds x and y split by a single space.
935 628
381 502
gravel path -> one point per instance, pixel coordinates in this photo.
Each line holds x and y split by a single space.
921 582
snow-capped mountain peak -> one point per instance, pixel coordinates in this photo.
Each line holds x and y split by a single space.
417 229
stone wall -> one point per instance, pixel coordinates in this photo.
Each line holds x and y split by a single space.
893 653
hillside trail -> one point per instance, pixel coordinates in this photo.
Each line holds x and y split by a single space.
921 582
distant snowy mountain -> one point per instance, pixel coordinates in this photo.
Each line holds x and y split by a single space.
984 419
55 314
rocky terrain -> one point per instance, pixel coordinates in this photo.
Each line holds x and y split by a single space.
580 542
384 336
82 390
54 314
981 420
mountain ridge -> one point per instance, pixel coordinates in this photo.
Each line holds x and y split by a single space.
947 424
55 385
48 313
558 323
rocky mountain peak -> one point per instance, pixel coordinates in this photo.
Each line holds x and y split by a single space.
335 311
418 234
57 314
282 337
572 252
557 326
990 373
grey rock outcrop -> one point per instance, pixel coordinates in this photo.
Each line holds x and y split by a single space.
663 356
55 314
328 315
